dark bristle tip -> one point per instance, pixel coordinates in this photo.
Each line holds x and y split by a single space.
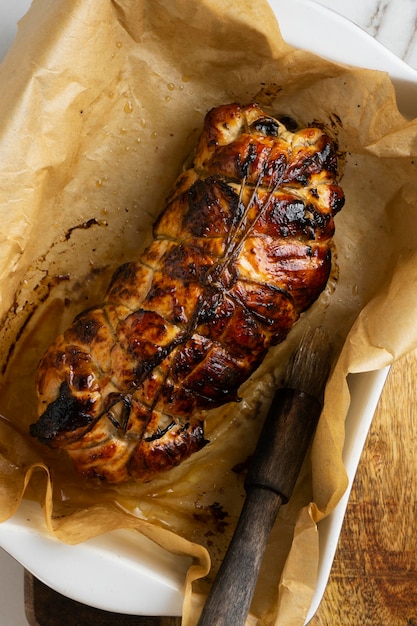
309 365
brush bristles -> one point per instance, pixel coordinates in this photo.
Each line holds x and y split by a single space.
309 365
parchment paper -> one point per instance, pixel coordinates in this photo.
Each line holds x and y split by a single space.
101 104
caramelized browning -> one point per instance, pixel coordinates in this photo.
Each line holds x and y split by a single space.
240 250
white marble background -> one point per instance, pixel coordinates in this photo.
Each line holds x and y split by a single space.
392 22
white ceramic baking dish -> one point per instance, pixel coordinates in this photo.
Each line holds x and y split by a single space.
153 585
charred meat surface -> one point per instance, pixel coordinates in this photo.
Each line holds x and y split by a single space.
240 250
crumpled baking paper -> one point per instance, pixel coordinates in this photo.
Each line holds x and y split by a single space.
101 104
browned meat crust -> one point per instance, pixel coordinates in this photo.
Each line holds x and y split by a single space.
240 250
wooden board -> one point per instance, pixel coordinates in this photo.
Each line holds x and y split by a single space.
45 607
374 576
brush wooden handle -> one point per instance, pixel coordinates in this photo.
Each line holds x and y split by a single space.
283 442
275 467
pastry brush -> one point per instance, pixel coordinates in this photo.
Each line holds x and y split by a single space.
273 472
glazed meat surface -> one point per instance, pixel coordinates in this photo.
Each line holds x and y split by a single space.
240 250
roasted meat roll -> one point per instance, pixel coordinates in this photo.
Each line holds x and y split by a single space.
242 247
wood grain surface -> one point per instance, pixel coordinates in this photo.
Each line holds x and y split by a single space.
373 581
